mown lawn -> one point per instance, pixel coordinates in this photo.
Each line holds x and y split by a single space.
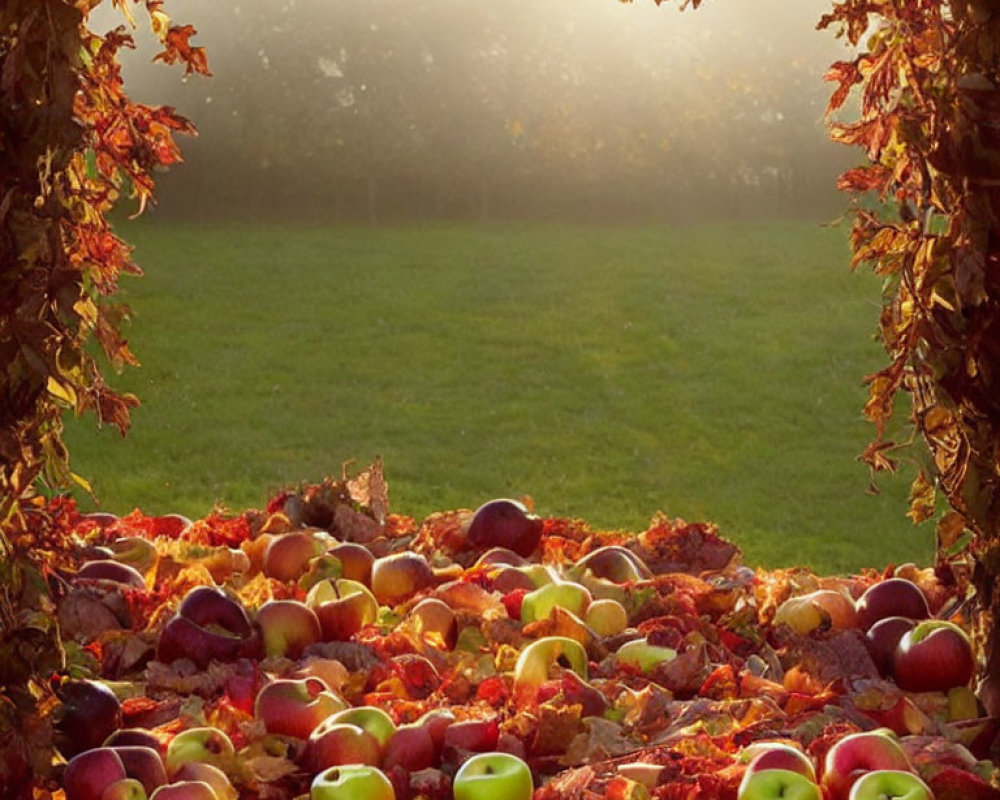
712 372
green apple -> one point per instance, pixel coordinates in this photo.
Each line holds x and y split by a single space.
125 789
493 776
606 617
642 772
567 595
535 661
371 719
136 551
778 784
321 568
855 753
643 655
206 743
539 574
351 782
890 784
962 704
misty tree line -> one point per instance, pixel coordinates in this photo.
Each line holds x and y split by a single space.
449 108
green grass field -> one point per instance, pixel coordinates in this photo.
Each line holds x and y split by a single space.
712 372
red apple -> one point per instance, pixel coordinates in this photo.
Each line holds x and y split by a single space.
343 607
471 735
778 755
287 627
893 597
185 790
933 657
412 748
144 764
210 774
858 753
114 571
505 523
500 556
89 773
435 622
355 560
395 577
295 707
614 563
140 737
209 625
287 555
90 712
882 639
506 579
209 605
103 519
182 638
329 670
333 744
437 721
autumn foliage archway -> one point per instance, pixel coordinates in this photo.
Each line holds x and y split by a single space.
926 84
927 87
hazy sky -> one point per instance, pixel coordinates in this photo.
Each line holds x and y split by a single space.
783 24
287 73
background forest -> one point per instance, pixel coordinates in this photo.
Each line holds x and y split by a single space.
475 110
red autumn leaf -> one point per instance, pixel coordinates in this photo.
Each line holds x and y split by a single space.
846 75
870 178
177 48
959 784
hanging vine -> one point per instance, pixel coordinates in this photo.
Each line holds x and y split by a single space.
926 82
72 144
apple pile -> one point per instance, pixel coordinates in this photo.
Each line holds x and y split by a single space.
323 648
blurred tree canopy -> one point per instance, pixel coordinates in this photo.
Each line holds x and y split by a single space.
388 109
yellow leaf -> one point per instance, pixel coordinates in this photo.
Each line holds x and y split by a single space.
160 23
949 530
86 310
126 11
922 499
83 483
62 392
